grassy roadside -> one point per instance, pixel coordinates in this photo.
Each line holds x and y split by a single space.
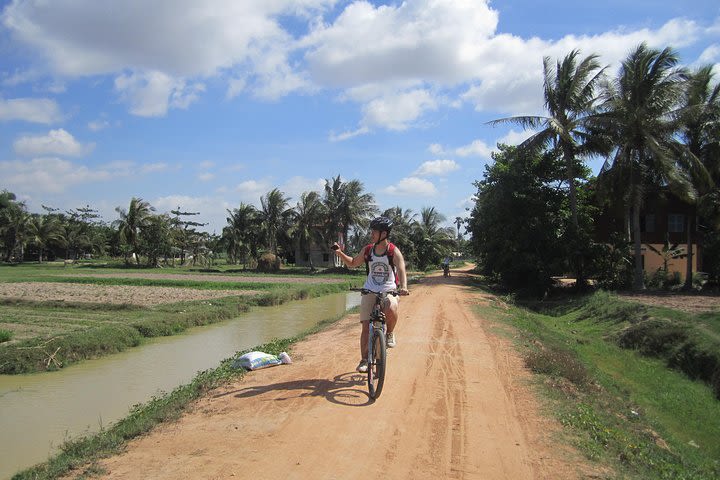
630 411
49 334
83 454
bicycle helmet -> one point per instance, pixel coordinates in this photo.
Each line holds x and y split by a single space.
381 224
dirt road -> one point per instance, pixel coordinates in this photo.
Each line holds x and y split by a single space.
455 405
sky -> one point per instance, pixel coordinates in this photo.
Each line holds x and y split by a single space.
206 104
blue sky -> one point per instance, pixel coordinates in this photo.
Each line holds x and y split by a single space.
204 105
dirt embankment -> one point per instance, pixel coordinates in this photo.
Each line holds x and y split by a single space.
456 404
677 301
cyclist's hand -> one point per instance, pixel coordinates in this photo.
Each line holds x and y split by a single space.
336 247
403 292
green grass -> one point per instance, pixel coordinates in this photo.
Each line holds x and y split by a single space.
82 454
630 411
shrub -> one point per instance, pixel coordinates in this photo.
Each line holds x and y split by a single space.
268 262
654 337
5 336
559 363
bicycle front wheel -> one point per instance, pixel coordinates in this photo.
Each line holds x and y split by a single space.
376 365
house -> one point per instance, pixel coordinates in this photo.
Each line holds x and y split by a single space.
321 257
663 218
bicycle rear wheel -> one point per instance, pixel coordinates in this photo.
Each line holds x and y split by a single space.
376 366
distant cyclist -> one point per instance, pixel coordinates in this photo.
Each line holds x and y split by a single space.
446 266
386 272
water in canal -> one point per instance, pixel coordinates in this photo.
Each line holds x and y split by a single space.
39 412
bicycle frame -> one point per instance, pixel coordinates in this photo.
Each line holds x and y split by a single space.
377 331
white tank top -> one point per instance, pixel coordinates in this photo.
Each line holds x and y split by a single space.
381 277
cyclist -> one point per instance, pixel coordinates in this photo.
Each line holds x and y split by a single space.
446 266
381 256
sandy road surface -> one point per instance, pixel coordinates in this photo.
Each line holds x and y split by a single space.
455 405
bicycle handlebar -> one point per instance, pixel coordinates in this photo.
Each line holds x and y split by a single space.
365 291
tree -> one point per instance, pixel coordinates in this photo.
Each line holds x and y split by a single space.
640 115
432 241
154 238
570 98
310 214
700 118
13 224
404 221
519 219
275 215
184 232
130 223
44 230
347 206
241 233
459 222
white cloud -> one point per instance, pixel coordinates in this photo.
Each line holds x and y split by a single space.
250 191
476 148
437 167
710 55
397 112
206 177
36 110
435 40
170 42
516 138
150 94
98 125
340 137
206 164
296 186
56 142
412 186
49 175
154 167
436 149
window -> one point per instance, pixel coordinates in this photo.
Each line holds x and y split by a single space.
649 223
676 222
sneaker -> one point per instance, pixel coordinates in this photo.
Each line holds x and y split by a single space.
391 340
362 366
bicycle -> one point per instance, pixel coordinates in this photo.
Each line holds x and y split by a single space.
377 343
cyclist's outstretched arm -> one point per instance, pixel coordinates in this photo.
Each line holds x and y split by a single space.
347 259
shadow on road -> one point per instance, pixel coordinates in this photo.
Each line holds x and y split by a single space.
346 389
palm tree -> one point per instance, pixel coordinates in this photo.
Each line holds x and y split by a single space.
44 230
431 239
130 223
700 119
13 224
310 214
639 114
569 92
241 233
404 221
459 222
275 214
347 206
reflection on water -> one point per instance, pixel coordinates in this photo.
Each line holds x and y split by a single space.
43 410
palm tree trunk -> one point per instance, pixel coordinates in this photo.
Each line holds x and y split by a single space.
639 280
689 270
572 194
